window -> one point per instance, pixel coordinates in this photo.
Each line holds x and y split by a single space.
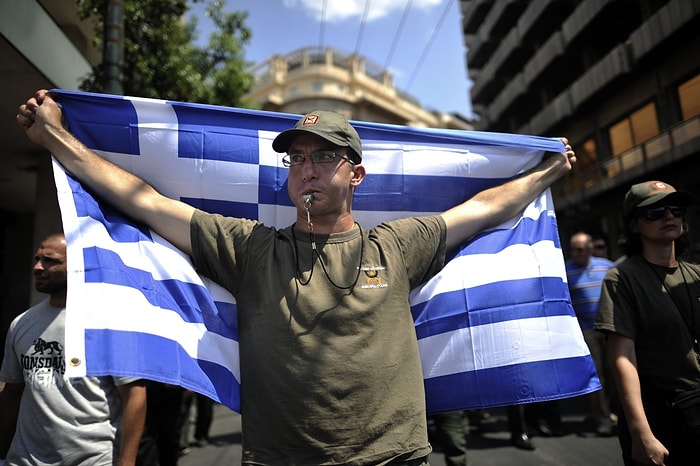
689 95
644 124
640 126
620 137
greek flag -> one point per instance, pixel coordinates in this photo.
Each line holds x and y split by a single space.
495 327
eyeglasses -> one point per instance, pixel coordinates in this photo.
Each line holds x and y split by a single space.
579 249
320 156
655 213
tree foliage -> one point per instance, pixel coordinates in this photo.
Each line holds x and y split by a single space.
162 59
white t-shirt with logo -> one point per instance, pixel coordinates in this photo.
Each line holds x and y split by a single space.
61 420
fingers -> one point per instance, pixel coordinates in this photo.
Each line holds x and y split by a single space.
568 150
24 121
567 146
26 114
39 97
43 96
28 109
32 105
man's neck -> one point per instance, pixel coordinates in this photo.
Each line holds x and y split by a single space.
324 225
58 300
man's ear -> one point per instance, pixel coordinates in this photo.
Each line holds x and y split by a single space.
359 174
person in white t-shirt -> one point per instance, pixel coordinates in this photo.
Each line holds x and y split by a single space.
48 418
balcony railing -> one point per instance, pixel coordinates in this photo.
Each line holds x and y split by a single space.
650 154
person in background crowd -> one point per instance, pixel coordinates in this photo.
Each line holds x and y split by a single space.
600 247
205 416
585 273
650 311
330 364
451 431
47 418
165 420
517 427
545 418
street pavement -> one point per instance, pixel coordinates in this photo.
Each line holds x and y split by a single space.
491 448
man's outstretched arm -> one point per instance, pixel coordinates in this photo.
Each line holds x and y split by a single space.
496 205
41 118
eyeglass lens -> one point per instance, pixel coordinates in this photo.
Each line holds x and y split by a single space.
321 156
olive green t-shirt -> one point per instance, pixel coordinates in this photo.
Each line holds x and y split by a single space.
330 370
635 303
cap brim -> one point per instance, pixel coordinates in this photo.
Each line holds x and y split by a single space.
679 197
283 140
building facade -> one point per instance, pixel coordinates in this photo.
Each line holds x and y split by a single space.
324 78
619 78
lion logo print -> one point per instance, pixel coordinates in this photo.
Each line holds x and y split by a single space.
41 347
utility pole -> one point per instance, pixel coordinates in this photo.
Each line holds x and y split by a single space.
113 50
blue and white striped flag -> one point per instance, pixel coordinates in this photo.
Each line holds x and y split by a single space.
495 327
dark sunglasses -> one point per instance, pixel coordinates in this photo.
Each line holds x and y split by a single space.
656 213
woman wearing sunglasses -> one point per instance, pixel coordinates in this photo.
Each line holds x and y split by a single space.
650 310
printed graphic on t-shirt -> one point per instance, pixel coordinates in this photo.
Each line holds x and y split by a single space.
43 365
373 278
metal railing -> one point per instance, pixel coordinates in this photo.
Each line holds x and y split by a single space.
662 145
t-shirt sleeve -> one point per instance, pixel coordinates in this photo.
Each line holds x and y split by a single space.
422 244
616 307
219 246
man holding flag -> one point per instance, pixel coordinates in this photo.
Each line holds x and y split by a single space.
329 359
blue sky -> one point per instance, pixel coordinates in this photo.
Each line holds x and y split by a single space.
427 61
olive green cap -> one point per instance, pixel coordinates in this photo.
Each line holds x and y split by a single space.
651 192
331 126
